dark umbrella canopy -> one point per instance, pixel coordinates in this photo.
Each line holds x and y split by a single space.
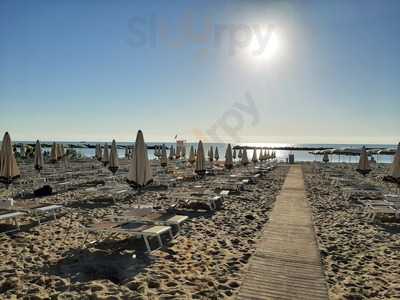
200 160
245 160
228 157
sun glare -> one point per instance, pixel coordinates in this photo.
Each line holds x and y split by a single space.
265 49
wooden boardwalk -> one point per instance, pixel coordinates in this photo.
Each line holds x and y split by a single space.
287 264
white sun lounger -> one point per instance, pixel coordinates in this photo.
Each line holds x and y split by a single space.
380 211
134 228
155 217
4 216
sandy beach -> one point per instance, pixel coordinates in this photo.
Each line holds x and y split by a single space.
361 259
205 261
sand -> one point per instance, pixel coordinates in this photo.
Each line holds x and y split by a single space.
361 259
206 260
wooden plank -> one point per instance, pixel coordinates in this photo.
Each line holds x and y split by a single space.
287 263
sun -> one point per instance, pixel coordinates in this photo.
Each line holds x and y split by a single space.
265 49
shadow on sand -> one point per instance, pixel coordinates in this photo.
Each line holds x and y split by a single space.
109 260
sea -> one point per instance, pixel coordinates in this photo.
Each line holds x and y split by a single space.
281 155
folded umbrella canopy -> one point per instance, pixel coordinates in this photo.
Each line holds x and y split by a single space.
228 157
99 155
156 152
240 154
183 152
106 158
234 154
325 159
163 157
171 153
54 153
254 158
60 151
216 154
114 163
211 154
178 151
8 167
200 160
363 164
395 169
38 159
22 150
140 173
126 152
245 160
262 155
192 156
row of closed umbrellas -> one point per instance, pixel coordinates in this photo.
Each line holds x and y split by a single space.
139 172
364 164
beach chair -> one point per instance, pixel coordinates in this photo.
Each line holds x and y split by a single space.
37 210
154 217
6 215
229 185
207 193
103 193
132 228
197 202
382 212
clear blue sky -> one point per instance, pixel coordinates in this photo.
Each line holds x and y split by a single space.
97 70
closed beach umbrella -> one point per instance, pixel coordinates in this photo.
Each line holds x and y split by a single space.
114 163
216 154
211 154
363 164
38 160
192 157
62 153
58 148
171 153
140 173
106 158
240 154
99 154
155 151
163 158
395 169
54 153
22 150
200 160
183 152
96 151
228 157
159 150
245 160
178 151
234 154
262 155
254 158
8 167
126 152
325 159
